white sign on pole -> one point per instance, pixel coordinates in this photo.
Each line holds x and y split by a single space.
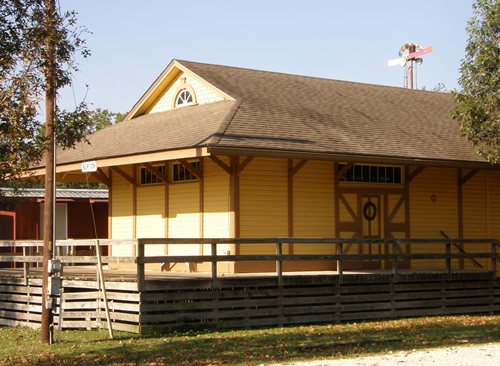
89 166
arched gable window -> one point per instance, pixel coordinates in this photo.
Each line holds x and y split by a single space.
184 98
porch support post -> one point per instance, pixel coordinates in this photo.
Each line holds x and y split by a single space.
234 192
292 170
166 203
460 211
134 202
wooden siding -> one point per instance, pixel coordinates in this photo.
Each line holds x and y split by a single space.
475 213
122 211
216 218
184 216
428 218
203 94
151 215
263 202
313 206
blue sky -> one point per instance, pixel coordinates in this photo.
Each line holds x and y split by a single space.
133 41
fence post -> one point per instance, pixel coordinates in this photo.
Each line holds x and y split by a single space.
140 264
395 257
214 263
26 265
279 261
340 261
448 256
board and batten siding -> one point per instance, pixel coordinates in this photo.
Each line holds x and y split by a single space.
216 204
263 203
151 216
122 222
313 206
433 208
184 216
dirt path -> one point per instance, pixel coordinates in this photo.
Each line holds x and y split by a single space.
477 355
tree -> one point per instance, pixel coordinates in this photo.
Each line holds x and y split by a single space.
478 101
101 118
23 48
37 47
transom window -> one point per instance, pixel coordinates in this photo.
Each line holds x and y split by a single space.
184 98
372 174
147 177
181 174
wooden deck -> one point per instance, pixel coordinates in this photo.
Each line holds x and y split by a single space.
146 301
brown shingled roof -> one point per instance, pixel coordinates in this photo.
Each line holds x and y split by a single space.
276 111
290 112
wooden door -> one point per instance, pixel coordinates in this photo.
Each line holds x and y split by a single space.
371 220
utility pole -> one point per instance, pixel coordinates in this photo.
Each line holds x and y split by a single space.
48 226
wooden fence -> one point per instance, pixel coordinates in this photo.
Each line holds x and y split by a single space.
148 301
451 249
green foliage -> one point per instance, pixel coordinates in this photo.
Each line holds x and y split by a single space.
478 103
23 47
101 118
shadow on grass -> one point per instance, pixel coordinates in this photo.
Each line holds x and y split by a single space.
272 345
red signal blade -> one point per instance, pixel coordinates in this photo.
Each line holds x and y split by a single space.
423 51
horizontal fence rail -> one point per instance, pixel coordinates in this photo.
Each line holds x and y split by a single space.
29 252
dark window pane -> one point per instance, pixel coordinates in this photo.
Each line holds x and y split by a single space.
357 173
365 173
397 175
373 174
389 174
381 174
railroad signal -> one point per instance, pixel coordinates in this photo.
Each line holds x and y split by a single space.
409 53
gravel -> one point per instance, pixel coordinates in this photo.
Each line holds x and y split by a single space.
482 355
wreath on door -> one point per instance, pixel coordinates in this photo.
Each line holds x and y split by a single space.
369 211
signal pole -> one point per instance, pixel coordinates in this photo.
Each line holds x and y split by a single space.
48 227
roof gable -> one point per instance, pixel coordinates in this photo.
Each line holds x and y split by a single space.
160 96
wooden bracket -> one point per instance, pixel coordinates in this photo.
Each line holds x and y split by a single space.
415 173
344 170
156 172
245 163
221 164
295 169
464 179
396 208
190 168
349 209
101 176
123 174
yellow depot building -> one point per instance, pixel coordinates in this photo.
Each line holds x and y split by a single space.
213 151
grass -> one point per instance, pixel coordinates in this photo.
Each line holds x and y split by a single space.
21 346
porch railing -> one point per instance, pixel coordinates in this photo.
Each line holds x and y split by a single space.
395 252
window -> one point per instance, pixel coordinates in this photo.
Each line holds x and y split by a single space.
372 174
181 174
147 177
184 98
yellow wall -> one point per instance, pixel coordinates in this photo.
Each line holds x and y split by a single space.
121 212
264 208
313 206
428 218
203 94
263 202
493 204
151 215
184 216
216 201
